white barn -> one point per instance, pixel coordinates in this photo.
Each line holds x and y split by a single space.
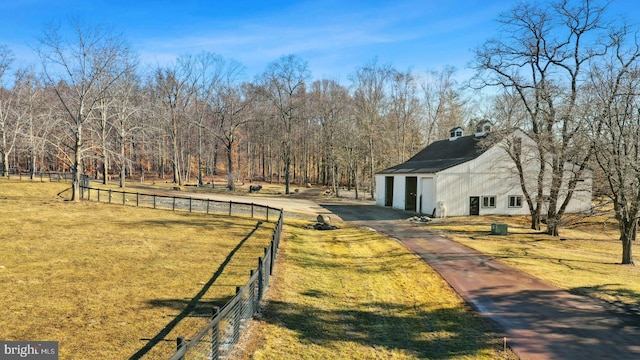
462 176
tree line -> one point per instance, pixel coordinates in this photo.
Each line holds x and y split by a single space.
93 109
563 71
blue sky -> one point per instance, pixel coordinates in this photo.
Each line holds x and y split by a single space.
335 37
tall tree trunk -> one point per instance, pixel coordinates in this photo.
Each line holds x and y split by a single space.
230 175
200 182
372 168
5 163
627 255
105 165
627 235
535 219
77 165
177 178
32 164
287 166
355 180
123 160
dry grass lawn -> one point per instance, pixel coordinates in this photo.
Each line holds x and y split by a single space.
584 259
355 294
104 279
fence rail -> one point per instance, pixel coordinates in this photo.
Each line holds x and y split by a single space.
41 176
180 203
218 338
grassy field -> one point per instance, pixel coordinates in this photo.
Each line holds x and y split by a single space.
104 280
584 259
354 294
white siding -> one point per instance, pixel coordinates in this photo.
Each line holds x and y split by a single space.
491 174
380 189
399 196
427 191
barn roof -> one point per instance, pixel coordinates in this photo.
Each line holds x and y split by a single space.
441 155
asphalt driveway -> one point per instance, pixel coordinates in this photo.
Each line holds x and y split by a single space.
540 321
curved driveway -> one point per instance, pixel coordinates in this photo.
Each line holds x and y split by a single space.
540 321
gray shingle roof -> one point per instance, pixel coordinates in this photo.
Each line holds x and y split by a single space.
441 155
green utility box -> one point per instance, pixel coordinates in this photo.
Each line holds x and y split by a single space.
499 229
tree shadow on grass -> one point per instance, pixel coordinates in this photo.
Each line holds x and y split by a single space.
439 334
203 308
626 299
195 306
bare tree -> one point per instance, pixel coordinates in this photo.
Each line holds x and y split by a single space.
225 102
443 105
29 111
103 130
615 106
542 57
370 86
80 70
125 107
206 73
230 111
175 90
405 114
284 83
8 129
331 109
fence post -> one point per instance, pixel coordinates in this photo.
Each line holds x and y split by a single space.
260 280
98 195
190 203
252 210
267 214
252 294
154 201
208 201
273 255
124 197
214 334
237 315
174 204
137 199
180 344
230 202
110 196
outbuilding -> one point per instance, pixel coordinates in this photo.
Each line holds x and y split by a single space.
469 175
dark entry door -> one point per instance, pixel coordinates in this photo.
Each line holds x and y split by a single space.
474 205
388 191
412 191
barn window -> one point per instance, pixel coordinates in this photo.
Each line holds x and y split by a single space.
515 201
489 201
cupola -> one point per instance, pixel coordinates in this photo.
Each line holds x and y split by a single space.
483 128
455 133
